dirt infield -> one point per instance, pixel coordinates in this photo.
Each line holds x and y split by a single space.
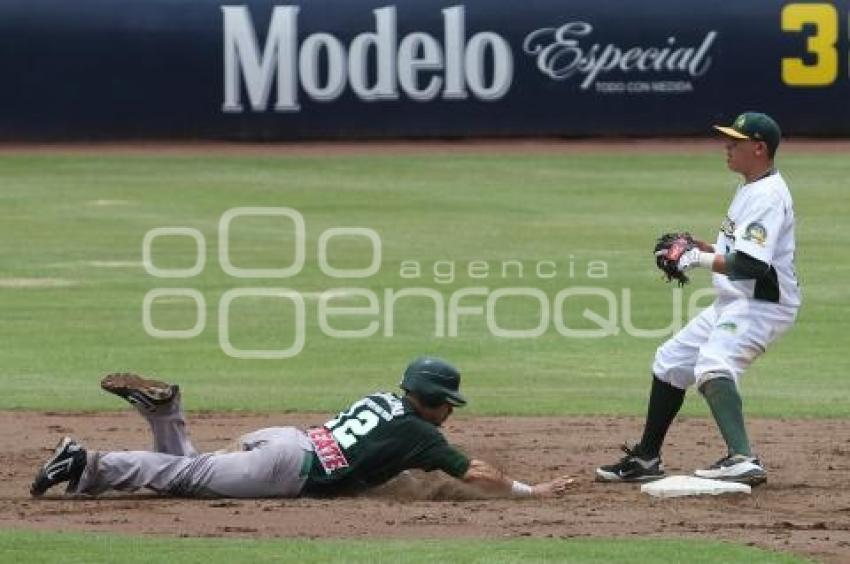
804 508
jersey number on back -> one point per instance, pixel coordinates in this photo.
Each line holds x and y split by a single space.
362 417
347 432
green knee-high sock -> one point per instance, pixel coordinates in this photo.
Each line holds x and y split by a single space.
725 403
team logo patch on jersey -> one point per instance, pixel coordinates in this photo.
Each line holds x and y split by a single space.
728 227
327 449
728 326
756 233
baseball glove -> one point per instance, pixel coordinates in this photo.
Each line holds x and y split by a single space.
668 249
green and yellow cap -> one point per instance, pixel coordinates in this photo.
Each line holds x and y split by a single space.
756 126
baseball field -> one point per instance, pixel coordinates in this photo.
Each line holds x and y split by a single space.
277 284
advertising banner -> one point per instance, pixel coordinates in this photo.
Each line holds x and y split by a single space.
329 69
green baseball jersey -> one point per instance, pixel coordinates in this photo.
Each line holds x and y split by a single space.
374 440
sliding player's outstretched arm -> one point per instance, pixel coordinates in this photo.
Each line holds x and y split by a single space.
484 475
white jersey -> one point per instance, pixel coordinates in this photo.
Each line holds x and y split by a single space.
760 223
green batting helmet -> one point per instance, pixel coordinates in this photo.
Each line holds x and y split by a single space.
433 380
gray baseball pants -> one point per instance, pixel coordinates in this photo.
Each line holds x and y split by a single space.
270 462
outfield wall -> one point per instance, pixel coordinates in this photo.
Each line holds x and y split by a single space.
324 69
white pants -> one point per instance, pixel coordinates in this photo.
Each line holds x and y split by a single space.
721 342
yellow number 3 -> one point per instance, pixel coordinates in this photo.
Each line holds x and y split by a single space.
824 69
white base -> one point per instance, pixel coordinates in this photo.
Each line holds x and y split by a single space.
678 486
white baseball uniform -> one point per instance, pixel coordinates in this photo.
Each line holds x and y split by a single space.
748 314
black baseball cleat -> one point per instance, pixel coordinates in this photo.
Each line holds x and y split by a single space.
736 468
147 395
66 465
634 467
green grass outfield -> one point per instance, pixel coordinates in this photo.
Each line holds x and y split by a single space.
36 548
72 282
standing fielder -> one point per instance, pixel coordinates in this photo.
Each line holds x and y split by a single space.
374 440
757 301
